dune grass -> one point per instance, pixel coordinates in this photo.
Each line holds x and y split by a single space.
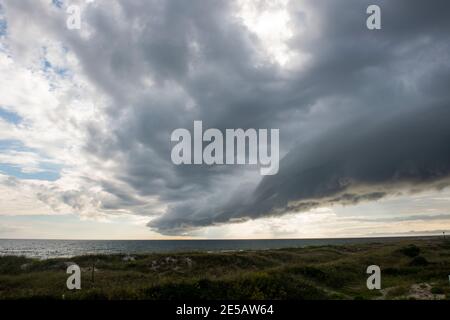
411 269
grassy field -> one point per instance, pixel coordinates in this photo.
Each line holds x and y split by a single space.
411 269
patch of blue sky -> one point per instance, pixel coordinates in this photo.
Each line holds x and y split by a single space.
3 27
16 145
17 171
46 170
47 66
57 3
49 166
3 22
10 116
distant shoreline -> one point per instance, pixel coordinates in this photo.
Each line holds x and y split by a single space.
46 249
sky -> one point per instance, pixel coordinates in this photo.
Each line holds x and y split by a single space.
86 117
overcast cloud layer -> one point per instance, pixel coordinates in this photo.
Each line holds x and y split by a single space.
362 114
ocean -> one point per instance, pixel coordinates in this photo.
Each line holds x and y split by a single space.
45 249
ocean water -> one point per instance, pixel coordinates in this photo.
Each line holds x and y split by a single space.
44 249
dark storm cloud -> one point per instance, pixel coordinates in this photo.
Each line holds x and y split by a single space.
411 149
366 116
387 94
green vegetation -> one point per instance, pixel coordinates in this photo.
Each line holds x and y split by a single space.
411 269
